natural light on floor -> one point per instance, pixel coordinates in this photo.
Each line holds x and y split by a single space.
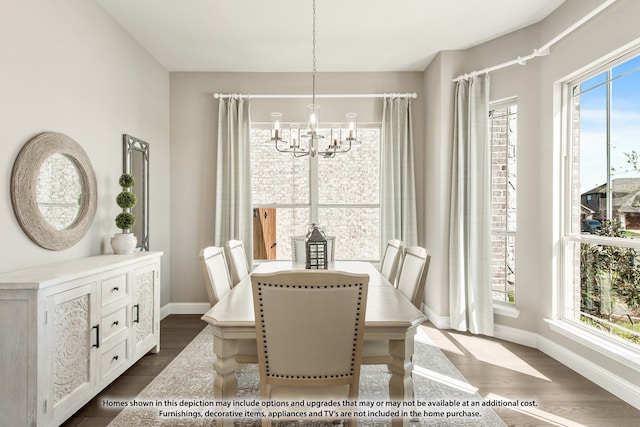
444 379
494 353
546 417
442 341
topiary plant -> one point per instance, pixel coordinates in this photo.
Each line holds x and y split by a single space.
126 200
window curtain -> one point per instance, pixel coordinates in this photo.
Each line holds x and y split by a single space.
471 301
233 214
398 191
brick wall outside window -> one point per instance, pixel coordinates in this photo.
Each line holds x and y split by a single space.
503 140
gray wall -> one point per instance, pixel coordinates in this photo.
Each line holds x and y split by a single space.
68 67
194 115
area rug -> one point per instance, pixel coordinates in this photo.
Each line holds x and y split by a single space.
182 394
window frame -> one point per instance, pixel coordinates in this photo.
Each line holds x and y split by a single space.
564 319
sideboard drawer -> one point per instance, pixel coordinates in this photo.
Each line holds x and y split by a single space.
113 358
113 323
113 289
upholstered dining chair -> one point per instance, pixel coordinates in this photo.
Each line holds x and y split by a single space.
309 329
216 273
413 273
391 260
238 264
299 251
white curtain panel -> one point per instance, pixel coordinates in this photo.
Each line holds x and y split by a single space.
398 195
233 214
471 302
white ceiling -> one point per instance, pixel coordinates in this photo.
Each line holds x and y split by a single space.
351 35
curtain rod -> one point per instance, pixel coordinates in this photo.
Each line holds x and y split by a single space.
294 96
544 49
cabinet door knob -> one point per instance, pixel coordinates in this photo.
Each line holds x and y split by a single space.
115 323
115 357
115 289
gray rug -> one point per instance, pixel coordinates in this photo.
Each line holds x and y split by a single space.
182 393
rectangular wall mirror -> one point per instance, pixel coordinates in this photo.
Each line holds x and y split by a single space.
136 162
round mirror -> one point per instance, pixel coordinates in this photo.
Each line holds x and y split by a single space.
53 190
59 191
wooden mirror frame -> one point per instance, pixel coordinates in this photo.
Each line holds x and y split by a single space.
24 183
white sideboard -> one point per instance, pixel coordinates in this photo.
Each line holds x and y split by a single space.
69 329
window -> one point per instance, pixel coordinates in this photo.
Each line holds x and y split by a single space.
602 249
342 194
503 141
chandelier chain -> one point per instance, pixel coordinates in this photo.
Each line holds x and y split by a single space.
314 53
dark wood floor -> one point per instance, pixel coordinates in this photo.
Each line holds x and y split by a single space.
176 331
499 369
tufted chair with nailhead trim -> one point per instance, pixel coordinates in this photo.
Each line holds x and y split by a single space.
309 330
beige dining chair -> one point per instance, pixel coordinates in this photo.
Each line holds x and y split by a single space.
309 331
238 264
413 274
216 273
299 251
391 260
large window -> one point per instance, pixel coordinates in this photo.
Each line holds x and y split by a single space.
602 249
342 194
503 141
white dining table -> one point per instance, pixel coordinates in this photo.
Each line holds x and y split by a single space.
391 322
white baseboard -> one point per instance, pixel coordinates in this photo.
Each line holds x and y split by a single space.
517 336
440 322
614 384
184 308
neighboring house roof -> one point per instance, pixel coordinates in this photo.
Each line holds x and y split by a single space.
586 210
600 189
629 203
620 185
626 194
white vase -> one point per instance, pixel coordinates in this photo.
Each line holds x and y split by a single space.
124 243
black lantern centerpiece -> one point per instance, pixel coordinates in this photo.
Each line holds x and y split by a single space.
316 248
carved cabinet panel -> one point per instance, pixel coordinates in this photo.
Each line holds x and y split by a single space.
74 334
146 294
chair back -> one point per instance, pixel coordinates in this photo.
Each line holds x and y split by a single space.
391 260
238 264
413 274
216 273
299 250
309 329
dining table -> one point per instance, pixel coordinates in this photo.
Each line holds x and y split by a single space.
391 323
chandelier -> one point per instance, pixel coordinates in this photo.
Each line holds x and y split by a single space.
309 141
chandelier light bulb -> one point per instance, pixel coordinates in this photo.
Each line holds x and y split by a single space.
313 110
352 119
276 119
